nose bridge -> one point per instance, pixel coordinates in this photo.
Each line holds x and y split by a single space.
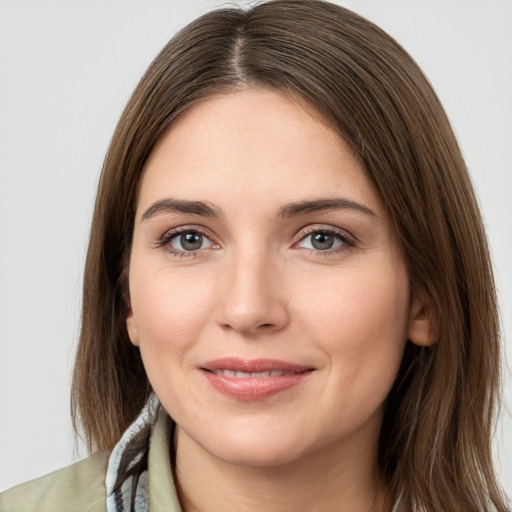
251 300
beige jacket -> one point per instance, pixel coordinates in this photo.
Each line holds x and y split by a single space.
81 487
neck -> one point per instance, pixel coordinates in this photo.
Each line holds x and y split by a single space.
329 480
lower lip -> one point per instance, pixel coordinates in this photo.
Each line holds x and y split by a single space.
253 388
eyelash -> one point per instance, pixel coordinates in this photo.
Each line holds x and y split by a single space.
346 240
165 241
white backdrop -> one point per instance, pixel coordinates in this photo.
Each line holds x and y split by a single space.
66 71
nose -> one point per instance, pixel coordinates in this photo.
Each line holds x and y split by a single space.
252 299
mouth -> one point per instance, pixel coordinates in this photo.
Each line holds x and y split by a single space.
250 380
247 375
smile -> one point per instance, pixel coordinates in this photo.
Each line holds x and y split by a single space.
253 380
256 375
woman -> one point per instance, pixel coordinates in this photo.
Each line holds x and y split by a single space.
287 259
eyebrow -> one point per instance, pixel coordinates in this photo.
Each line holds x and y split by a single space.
323 204
205 209
170 205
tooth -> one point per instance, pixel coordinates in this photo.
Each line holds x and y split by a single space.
260 374
246 375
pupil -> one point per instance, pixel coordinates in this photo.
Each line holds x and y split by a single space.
191 241
322 241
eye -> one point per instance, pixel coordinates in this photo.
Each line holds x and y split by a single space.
324 240
188 241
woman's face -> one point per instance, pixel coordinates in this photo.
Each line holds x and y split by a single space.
268 300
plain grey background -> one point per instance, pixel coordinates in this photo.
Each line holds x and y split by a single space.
66 71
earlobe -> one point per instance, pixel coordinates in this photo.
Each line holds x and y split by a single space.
420 330
131 326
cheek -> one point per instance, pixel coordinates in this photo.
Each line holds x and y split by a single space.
170 312
165 302
360 319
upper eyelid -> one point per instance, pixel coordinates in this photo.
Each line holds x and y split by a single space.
185 228
314 228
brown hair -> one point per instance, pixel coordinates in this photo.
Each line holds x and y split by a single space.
435 439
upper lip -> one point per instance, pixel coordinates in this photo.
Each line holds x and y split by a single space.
253 365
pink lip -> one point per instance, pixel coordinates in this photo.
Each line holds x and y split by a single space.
253 387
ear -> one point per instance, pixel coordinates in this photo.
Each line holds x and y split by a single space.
131 326
420 329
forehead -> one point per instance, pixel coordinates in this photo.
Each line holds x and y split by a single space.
253 144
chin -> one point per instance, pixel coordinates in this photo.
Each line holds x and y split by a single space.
248 444
256 453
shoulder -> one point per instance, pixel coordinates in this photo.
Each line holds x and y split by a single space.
79 487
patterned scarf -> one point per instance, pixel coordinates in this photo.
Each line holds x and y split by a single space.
127 471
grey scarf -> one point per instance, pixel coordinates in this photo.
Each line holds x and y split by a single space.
127 471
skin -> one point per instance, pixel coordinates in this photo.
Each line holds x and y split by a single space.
259 288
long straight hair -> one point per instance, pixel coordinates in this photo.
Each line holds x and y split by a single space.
434 449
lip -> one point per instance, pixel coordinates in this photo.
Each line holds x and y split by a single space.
234 377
